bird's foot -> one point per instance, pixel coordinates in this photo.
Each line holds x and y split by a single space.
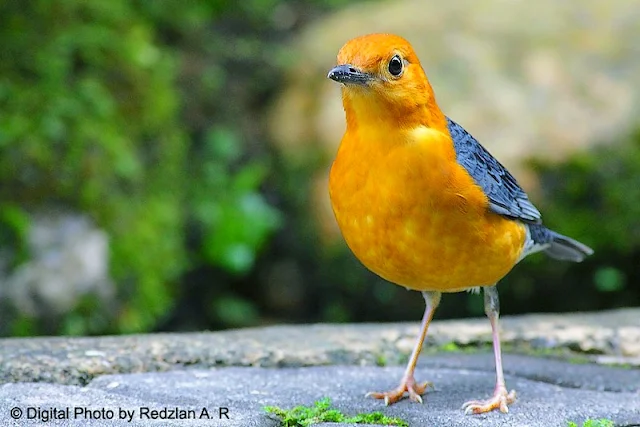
500 400
408 385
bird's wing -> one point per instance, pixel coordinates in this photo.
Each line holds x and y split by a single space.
506 197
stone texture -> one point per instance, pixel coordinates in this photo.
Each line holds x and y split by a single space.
245 391
69 259
78 360
540 79
287 366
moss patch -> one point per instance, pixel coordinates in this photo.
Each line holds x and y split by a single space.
522 348
321 411
381 360
593 423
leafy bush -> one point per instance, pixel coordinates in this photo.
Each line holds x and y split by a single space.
90 120
101 115
593 198
147 115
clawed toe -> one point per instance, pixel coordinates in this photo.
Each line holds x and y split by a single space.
500 400
414 390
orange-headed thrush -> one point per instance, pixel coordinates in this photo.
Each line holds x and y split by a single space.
420 202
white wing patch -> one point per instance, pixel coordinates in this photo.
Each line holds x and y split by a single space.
531 247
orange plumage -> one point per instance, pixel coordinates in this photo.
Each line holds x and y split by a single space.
429 217
419 201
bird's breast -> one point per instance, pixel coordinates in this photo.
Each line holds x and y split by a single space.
412 215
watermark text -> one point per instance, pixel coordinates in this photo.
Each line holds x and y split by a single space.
46 414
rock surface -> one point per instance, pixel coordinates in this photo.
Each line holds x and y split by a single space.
69 260
242 371
241 393
608 336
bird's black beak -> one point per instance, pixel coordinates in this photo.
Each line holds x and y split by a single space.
348 74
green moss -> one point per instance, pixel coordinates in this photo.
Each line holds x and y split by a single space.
564 354
321 411
468 348
522 348
381 360
593 423
403 358
451 347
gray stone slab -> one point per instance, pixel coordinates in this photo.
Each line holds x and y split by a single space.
245 391
547 370
286 366
615 334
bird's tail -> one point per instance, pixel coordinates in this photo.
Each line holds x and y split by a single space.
556 245
566 248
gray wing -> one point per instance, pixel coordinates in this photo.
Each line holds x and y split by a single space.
506 197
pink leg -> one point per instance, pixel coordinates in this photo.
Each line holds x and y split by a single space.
408 383
501 399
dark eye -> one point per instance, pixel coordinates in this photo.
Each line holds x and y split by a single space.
395 66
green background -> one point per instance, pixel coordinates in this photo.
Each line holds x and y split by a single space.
146 116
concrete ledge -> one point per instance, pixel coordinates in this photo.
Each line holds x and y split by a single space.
241 393
607 337
241 371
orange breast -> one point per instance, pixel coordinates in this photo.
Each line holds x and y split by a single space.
412 215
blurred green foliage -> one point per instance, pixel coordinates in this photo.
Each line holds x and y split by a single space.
228 241
145 115
148 116
106 105
593 197
606 182
91 120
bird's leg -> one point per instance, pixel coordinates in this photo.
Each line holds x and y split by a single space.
408 383
501 399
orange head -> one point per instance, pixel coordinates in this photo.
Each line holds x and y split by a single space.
382 79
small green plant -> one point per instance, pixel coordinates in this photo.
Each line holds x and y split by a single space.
321 411
593 423
381 360
451 347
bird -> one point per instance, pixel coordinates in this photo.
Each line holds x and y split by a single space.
421 203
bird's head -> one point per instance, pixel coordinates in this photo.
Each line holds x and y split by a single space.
381 74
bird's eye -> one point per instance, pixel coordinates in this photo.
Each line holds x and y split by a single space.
395 66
